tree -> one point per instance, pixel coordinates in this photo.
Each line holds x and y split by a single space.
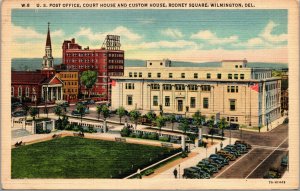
160 122
151 116
211 126
58 111
99 110
222 125
88 79
172 119
134 116
198 120
105 113
81 110
184 125
121 112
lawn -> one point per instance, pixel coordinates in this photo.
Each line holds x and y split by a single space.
75 157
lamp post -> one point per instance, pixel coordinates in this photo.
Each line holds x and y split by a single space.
267 123
179 171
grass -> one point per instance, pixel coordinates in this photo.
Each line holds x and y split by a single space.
75 157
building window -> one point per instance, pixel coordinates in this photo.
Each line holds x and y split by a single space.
155 86
193 102
242 76
12 91
205 103
241 66
179 87
230 76
27 92
232 104
182 75
167 87
233 89
19 91
208 75
236 66
155 100
193 87
170 75
167 101
219 76
149 75
129 100
195 75
130 74
129 86
140 74
236 76
135 74
205 88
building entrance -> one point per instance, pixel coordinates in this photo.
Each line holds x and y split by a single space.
180 105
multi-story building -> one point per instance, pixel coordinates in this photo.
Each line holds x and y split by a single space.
249 96
107 61
70 84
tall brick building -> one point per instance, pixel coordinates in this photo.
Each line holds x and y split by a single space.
107 61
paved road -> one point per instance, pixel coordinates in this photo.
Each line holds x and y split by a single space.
268 149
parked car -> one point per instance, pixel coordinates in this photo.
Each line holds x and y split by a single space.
16 104
226 155
62 103
234 149
248 146
219 159
242 148
285 161
235 153
203 174
19 113
272 173
190 173
233 126
75 113
206 162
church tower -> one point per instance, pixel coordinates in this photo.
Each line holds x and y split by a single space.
47 67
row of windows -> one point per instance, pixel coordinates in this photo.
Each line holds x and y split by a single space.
129 86
233 89
68 75
263 75
83 54
180 87
196 75
272 86
81 67
116 55
70 83
115 73
205 103
70 90
27 90
115 67
116 61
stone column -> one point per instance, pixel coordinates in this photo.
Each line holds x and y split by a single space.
44 125
183 142
61 92
104 126
53 124
57 97
51 92
47 94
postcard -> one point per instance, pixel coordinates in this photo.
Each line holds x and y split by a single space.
164 95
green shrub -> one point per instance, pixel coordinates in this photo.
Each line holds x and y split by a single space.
139 134
184 154
145 136
148 172
133 135
153 136
125 132
164 138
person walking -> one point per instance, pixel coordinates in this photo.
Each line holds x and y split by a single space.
175 172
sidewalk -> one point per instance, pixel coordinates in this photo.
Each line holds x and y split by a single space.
193 161
271 126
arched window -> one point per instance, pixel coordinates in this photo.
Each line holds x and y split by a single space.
20 91
27 92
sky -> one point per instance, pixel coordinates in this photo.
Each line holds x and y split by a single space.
182 35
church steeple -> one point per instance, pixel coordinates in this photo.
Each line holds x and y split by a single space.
48 59
47 66
48 41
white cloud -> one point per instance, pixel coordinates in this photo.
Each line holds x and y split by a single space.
164 44
57 33
268 36
25 33
174 33
212 38
94 36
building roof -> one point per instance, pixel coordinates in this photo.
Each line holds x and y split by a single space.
27 77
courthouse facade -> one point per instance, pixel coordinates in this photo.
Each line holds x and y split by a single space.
248 96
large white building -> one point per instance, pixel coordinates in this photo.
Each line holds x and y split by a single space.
248 96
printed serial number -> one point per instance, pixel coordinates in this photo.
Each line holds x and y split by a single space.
276 182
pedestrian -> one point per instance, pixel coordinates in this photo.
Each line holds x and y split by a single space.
216 150
221 145
175 173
